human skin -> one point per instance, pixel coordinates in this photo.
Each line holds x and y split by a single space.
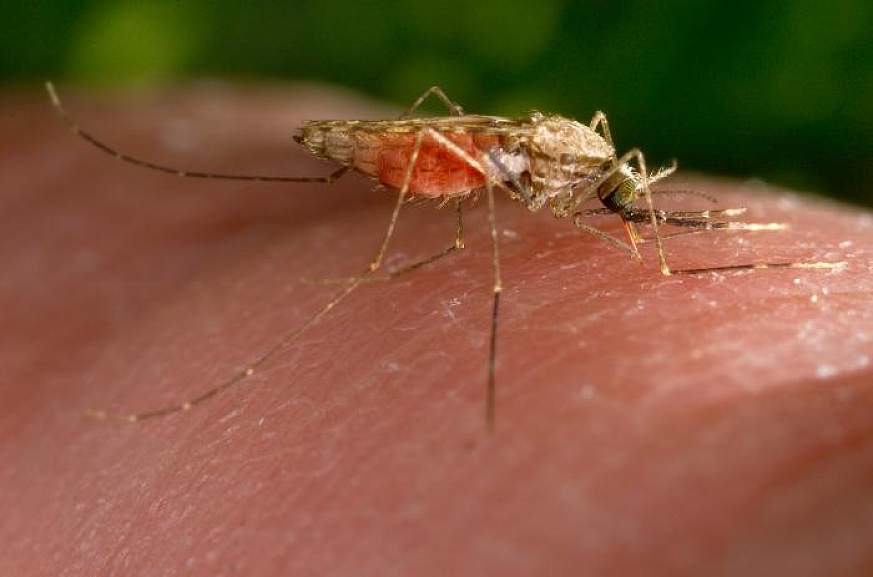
715 424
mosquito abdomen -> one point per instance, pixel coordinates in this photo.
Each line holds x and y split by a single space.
385 155
438 171
331 140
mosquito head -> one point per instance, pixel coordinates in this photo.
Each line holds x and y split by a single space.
620 191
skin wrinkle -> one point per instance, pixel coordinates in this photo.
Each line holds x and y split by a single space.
616 448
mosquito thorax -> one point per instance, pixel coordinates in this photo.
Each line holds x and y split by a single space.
554 137
562 154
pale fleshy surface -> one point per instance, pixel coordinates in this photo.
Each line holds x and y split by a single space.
714 425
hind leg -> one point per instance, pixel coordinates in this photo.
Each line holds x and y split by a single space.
415 265
454 108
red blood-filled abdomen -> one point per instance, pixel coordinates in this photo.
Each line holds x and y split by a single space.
438 171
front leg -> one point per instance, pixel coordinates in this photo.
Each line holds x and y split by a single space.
642 182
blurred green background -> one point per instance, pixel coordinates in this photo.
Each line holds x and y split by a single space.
776 89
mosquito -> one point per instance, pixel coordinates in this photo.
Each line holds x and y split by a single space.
539 160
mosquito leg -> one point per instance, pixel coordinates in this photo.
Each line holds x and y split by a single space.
99 144
376 262
438 92
238 378
637 154
644 178
404 189
293 335
599 120
451 147
633 154
458 245
289 339
614 241
497 288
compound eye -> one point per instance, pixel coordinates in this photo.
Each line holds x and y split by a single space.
626 192
566 159
620 196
